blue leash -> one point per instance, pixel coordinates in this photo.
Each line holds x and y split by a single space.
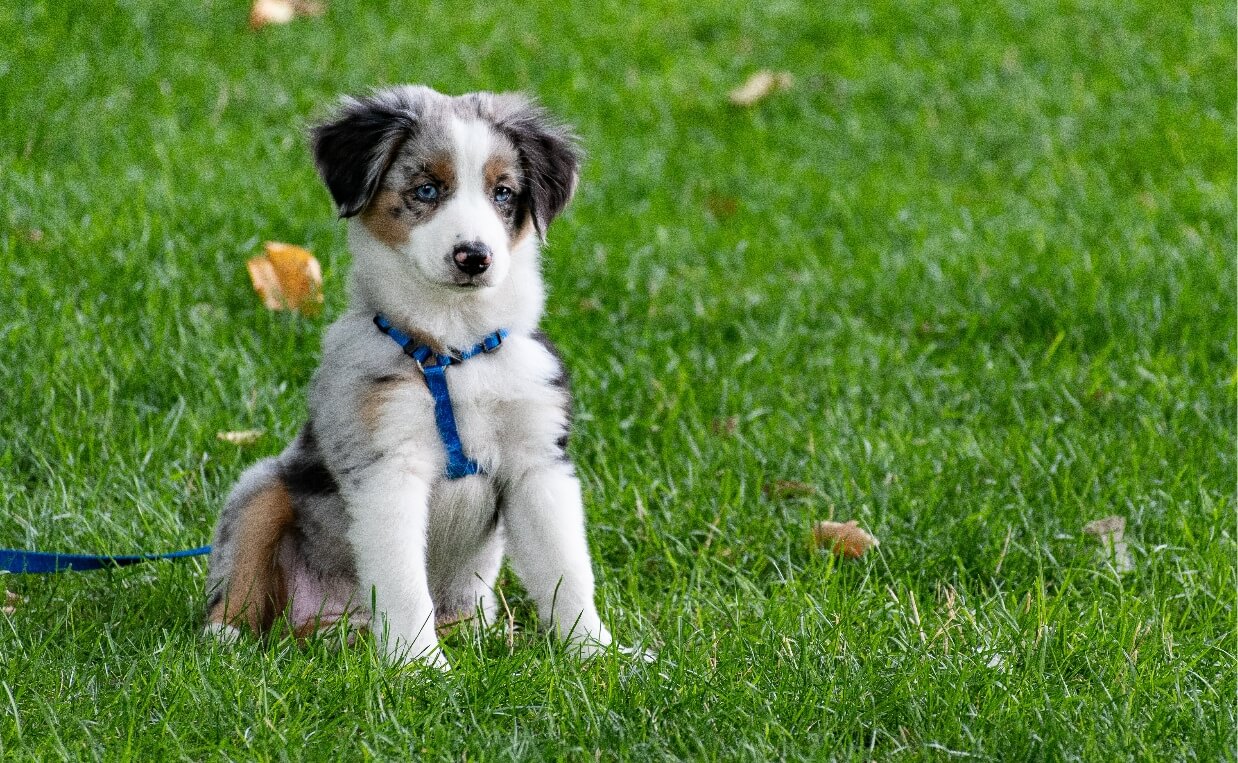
20 562
458 464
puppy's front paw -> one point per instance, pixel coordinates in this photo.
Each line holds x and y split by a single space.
588 647
402 654
434 659
637 653
222 633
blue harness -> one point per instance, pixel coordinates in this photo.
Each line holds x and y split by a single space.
433 367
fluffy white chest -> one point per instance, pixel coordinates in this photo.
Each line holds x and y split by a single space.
508 411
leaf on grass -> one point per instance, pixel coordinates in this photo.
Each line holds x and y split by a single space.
241 436
287 278
843 538
1110 531
726 427
721 206
788 489
761 85
267 12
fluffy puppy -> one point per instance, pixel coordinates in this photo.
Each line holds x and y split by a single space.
447 200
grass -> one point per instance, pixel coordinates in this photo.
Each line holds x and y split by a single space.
971 280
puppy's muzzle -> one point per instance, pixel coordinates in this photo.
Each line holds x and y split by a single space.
472 258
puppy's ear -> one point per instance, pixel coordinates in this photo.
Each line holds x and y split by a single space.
355 147
548 152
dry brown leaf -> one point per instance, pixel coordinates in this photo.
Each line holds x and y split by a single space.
788 489
843 538
722 206
266 12
287 278
1110 531
241 436
727 426
760 85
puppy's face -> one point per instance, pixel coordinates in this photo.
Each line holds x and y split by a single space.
450 186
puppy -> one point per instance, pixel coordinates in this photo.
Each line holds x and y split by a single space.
386 507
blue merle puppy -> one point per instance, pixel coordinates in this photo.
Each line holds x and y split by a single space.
439 416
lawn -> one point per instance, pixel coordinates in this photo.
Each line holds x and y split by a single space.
969 281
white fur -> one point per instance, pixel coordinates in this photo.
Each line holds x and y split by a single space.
221 632
384 279
389 534
507 411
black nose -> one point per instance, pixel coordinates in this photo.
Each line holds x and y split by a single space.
472 258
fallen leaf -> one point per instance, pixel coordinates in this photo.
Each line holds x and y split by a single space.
266 12
843 538
722 206
727 426
241 436
1110 531
760 85
788 489
287 278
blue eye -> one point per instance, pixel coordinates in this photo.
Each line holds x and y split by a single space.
502 194
426 192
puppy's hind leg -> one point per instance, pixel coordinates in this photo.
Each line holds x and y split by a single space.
245 584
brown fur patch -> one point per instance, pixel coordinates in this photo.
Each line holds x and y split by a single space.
256 592
525 230
388 218
375 399
440 167
502 166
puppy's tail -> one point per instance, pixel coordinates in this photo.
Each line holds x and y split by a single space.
246 583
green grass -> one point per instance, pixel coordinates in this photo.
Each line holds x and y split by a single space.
971 278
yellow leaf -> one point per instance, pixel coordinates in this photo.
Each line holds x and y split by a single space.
1111 531
760 85
241 437
287 278
265 12
843 538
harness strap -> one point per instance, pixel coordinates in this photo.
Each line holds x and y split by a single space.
458 464
18 561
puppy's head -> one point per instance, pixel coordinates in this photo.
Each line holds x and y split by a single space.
451 187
